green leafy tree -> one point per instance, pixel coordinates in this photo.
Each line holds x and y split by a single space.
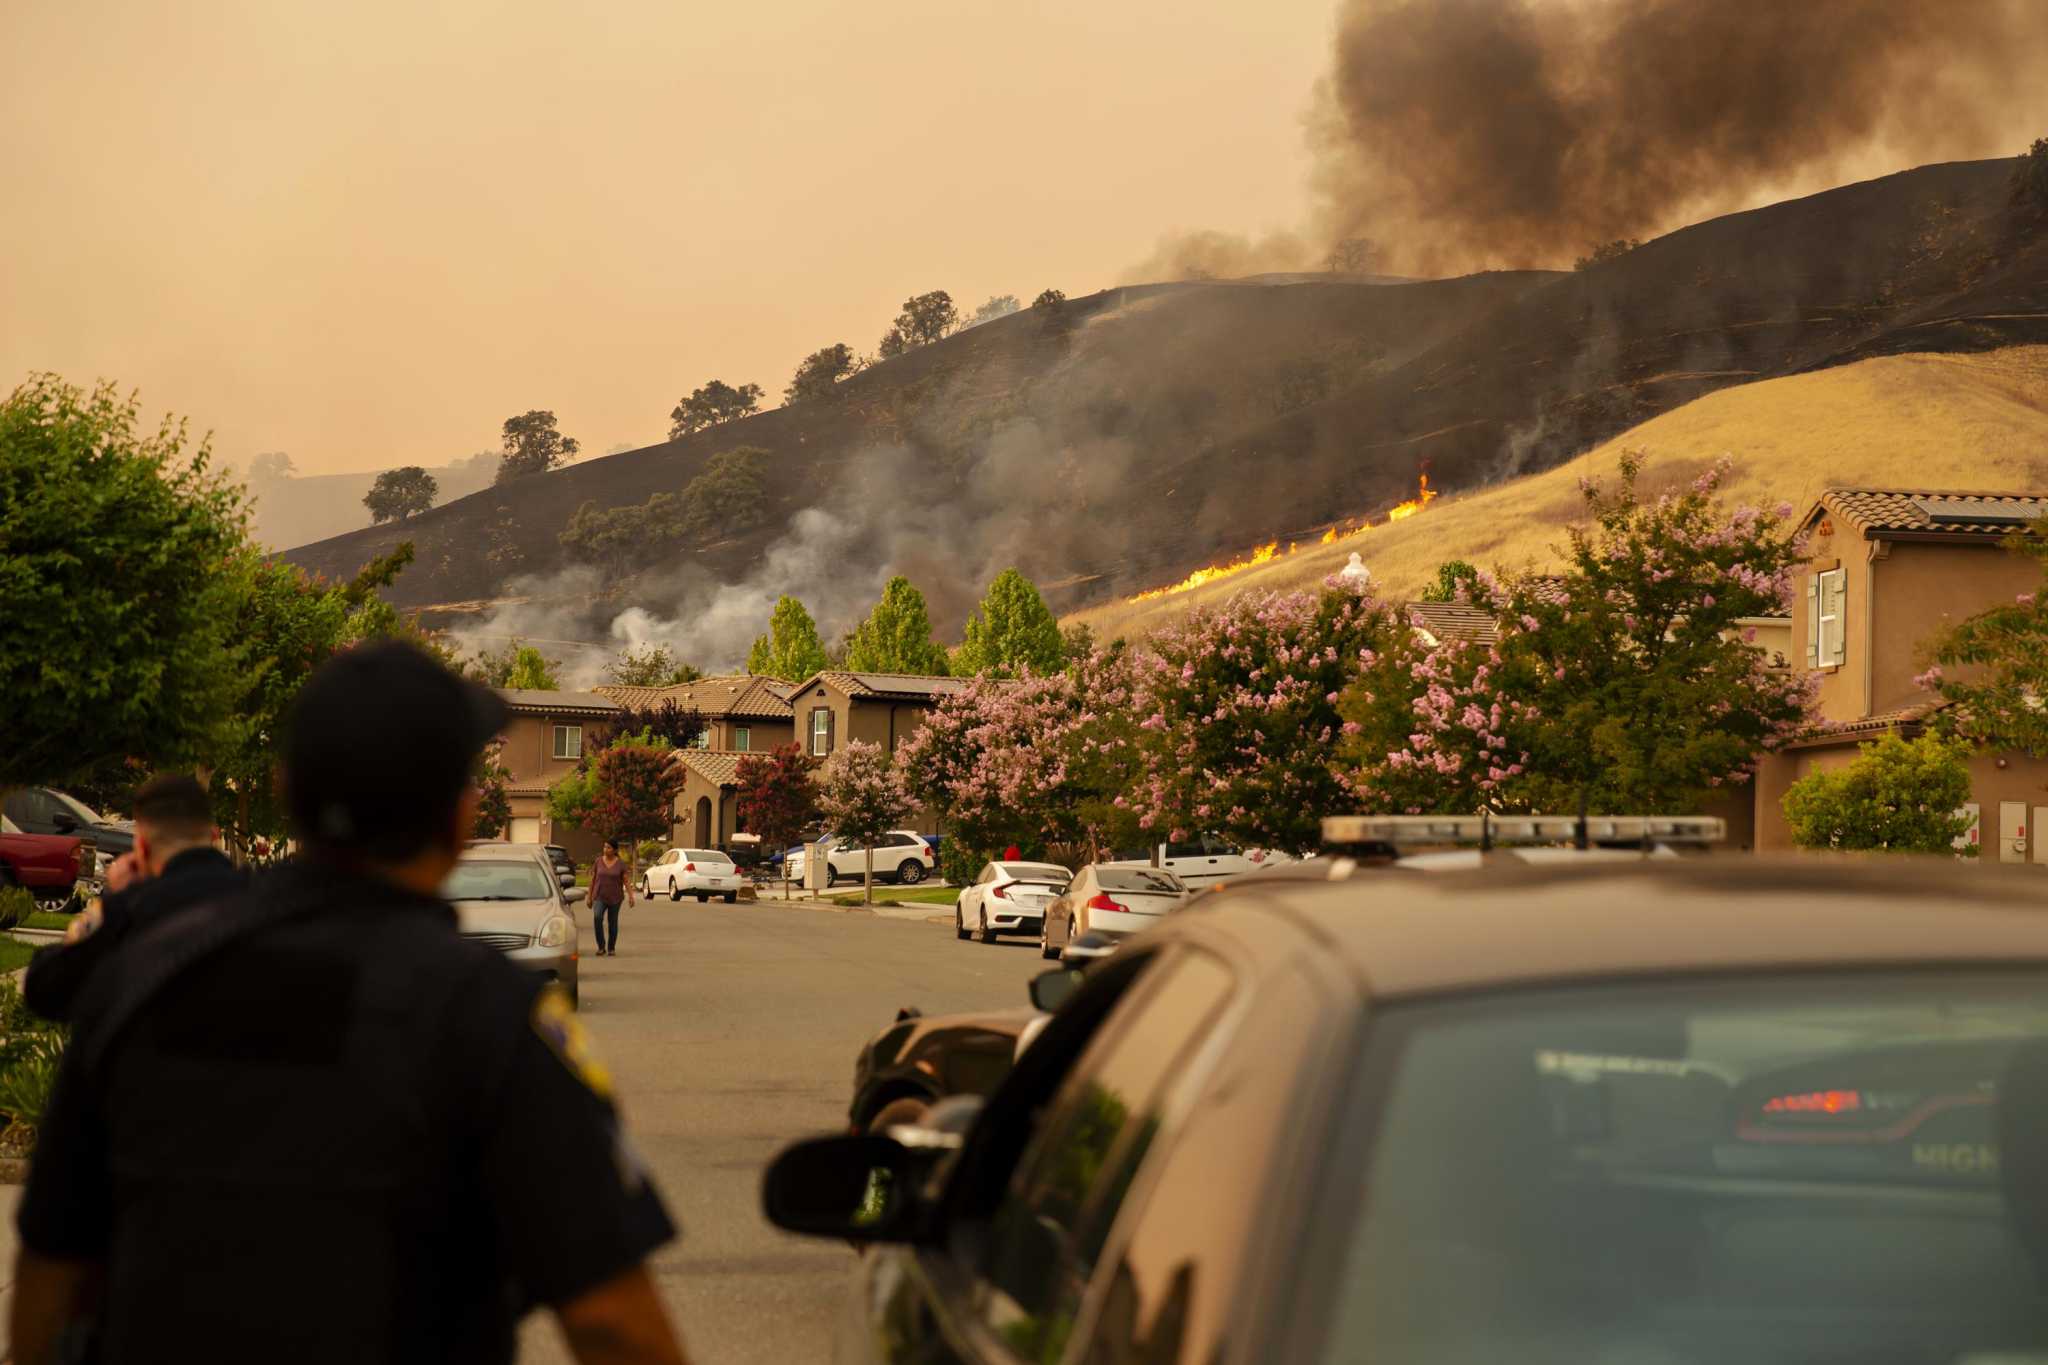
1077 641
649 666
515 664
926 317
892 344
117 603
1899 795
819 374
1451 576
896 637
713 405
778 796
400 493
1992 668
572 797
1012 631
791 650
999 306
862 799
532 445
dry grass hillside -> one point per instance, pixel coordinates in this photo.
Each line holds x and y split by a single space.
1929 421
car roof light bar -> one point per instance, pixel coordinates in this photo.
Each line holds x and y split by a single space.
1350 831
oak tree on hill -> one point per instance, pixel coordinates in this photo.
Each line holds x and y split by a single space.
791 650
532 445
1054 317
999 306
1012 631
1353 256
819 374
272 466
896 637
726 497
400 493
713 405
926 318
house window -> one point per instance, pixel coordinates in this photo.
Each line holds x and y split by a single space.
568 741
703 739
821 732
1826 618
742 739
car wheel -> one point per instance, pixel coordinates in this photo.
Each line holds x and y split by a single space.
911 873
732 897
959 921
1045 948
988 935
703 898
675 890
831 877
897 1112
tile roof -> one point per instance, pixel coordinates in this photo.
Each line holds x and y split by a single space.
1866 727
539 701
891 686
1879 512
737 695
717 766
1454 621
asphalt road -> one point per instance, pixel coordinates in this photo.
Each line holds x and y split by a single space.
729 1031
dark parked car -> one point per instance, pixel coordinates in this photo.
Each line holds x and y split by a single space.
45 810
1666 1109
915 1062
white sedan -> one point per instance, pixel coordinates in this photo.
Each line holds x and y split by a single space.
1008 898
699 872
1109 900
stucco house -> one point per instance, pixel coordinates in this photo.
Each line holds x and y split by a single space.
834 707
742 715
1886 569
543 742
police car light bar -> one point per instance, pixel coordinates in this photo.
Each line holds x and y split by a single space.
1340 831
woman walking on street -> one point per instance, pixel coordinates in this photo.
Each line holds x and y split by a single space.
608 887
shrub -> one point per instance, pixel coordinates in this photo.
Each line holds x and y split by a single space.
17 903
30 1049
1900 796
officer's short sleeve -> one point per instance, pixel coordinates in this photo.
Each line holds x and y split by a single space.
66 1210
574 1206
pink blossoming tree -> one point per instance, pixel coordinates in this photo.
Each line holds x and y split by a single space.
862 798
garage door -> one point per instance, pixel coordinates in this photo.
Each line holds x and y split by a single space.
525 831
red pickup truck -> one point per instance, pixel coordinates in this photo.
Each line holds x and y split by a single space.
49 865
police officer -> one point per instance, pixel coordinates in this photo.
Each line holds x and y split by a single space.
313 1124
172 867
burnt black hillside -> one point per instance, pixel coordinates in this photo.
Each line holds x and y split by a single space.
1171 424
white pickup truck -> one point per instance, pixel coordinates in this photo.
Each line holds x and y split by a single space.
1200 862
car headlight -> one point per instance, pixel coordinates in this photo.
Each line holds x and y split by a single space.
556 931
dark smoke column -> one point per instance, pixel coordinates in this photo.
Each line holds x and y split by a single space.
1466 134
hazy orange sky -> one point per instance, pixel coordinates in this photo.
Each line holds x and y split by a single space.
365 234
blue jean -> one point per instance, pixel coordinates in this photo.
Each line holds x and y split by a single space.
599 911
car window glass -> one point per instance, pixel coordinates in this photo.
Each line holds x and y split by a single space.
496 880
1138 879
988 874
1216 848
1184 850
77 809
1769 1171
1077 1169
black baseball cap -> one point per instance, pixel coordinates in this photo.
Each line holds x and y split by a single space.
380 743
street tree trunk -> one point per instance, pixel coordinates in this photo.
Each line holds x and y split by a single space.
868 891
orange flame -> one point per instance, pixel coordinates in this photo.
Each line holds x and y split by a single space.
1267 553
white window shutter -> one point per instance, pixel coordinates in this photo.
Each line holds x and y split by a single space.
1813 620
1834 598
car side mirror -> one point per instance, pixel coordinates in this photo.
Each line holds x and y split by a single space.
1050 990
64 821
863 1188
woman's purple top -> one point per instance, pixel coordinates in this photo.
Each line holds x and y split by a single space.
608 884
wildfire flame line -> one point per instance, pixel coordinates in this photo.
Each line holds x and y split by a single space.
1270 551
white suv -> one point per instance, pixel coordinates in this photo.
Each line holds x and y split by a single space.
699 872
901 856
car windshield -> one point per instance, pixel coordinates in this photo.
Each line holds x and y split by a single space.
1137 879
1778 1171
497 879
1037 872
84 814
704 855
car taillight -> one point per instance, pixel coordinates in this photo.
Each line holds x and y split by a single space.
1101 901
689 867
1815 1102
1003 892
